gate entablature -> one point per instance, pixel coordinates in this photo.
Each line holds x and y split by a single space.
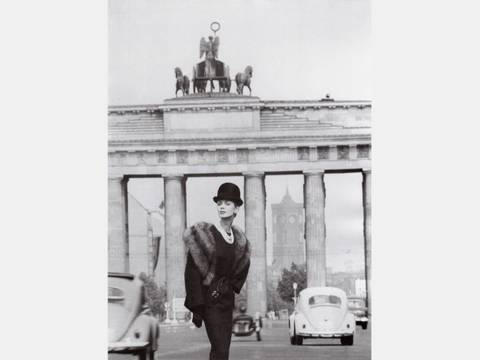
245 117
228 133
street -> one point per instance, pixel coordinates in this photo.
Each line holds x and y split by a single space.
183 343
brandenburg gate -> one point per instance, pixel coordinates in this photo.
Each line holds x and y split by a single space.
222 134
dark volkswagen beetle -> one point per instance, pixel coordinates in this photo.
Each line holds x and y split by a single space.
356 305
246 325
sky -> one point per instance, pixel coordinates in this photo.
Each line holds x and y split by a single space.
299 50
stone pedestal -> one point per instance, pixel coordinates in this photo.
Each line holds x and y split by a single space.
367 224
117 225
215 113
175 222
314 200
255 231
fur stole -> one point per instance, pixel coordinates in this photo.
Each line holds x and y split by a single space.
200 242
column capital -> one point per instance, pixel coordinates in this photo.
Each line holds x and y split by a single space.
118 179
173 176
253 174
314 172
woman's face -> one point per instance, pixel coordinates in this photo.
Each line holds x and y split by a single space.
226 209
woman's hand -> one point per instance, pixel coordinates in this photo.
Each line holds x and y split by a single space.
197 320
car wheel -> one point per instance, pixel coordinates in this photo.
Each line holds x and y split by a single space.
142 355
364 325
297 340
151 354
346 340
292 340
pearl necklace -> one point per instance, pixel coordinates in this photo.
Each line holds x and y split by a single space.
228 238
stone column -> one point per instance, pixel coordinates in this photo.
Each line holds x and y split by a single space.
255 231
314 200
367 231
117 225
175 222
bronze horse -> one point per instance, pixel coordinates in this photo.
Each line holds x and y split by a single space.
183 82
226 84
243 79
199 86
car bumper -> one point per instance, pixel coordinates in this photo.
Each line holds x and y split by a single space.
238 333
127 346
314 334
361 320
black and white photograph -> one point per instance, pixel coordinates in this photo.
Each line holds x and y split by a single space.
239 191
239 179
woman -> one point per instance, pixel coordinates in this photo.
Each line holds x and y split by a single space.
218 260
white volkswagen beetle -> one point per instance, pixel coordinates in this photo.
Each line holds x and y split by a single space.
321 312
132 329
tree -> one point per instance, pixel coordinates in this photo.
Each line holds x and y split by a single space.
298 274
241 299
274 302
154 296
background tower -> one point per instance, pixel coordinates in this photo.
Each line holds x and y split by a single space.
288 235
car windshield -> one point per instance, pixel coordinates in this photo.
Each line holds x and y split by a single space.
356 303
319 300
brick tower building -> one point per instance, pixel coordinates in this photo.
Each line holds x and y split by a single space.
288 234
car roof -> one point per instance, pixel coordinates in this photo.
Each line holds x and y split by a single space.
121 275
322 290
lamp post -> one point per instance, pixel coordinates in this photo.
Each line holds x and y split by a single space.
152 255
294 293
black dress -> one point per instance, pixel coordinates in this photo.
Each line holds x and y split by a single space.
218 313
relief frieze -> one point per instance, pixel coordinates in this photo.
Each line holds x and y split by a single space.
202 156
141 158
343 152
242 155
162 157
263 155
182 157
222 156
130 159
323 152
303 153
363 151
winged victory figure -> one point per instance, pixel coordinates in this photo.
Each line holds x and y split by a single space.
210 50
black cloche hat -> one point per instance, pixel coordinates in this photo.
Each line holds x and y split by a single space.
229 191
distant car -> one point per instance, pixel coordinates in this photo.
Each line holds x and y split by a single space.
356 305
132 329
321 312
246 325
